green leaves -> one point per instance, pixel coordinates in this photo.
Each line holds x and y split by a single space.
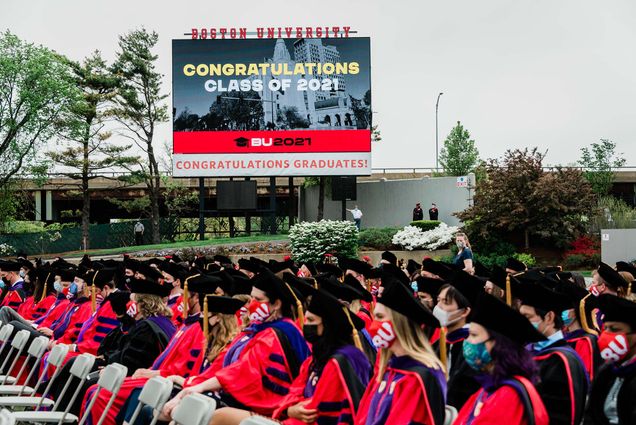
459 155
599 161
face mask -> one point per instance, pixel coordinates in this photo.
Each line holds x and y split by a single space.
614 346
414 286
22 274
460 245
382 333
131 309
594 290
310 332
476 355
2 284
259 312
57 285
536 325
73 288
567 320
444 316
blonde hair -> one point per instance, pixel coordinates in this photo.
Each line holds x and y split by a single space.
413 341
221 334
463 235
152 305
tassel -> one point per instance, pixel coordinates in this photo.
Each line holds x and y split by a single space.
44 289
583 316
508 292
185 296
93 298
300 318
354 332
442 349
206 319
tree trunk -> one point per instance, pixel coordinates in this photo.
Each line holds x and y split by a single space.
86 198
155 191
321 198
526 235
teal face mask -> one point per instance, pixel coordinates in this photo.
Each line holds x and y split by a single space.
476 355
565 316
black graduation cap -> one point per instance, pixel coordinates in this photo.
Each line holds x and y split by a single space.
149 287
582 301
391 270
623 266
530 276
220 304
357 266
9 266
397 297
499 276
45 275
429 285
311 267
279 266
412 266
249 265
132 264
516 265
443 270
61 263
25 264
86 261
616 309
375 273
203 283
222 259
242 284
330 269
149 272
100 277
351 281
267 282
334 314
538 296
496 316
611 276
173 269
226 281
471 287
481 270
67 275
390 257
304 286
337 289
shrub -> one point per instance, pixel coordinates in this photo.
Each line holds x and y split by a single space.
380 239
527 259
584 252
426 225
412 237
310 241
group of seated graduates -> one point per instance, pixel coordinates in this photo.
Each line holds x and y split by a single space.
342 341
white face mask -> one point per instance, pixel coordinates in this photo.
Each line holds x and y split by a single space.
444 316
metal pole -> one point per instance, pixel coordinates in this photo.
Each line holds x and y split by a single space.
291 202
272 204
201 208
436 139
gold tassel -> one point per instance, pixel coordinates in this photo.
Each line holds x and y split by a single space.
508 292
442 348
354 332
93 298
206 319
583 316
44 289
299 307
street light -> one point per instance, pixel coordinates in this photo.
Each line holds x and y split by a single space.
436 141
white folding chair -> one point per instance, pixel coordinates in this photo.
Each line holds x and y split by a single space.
6 418
258 420
82 366
17 347
450 416
16 399
5 335
155 394
110 380
194 409
34 355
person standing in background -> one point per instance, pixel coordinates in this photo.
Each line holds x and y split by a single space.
418 212
464 257
357 216
139 233
433 212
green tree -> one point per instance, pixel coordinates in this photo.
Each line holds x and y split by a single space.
140 106
459 156
600 160
85 150
519 197
35 89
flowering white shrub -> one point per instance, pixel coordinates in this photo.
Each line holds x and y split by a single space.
6 249
310 241
412 237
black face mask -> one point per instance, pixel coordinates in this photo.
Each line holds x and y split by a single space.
310 332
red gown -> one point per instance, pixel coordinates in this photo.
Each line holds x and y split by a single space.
81 314
329 393
177 311
56 311
258 370
408 393
15 297
586 346
503 406
183 356
26 308
40 308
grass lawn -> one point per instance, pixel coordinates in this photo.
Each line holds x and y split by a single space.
174 245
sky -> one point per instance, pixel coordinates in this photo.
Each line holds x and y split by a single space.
556 74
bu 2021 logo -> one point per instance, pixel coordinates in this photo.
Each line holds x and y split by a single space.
257 142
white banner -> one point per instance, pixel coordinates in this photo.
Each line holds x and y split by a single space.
266 165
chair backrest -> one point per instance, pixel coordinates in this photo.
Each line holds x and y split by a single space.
258 420
451 415
35 351
5 332
194 409
6 418
81 367
56 358
155 393
110 379
17 346
20 339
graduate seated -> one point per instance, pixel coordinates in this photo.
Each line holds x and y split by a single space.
13 293
495 349
409 385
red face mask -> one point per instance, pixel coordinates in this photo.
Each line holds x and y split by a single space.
259 312
382 333
614 346
131 309
594 290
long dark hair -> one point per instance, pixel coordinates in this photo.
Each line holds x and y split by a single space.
329 342
510 359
